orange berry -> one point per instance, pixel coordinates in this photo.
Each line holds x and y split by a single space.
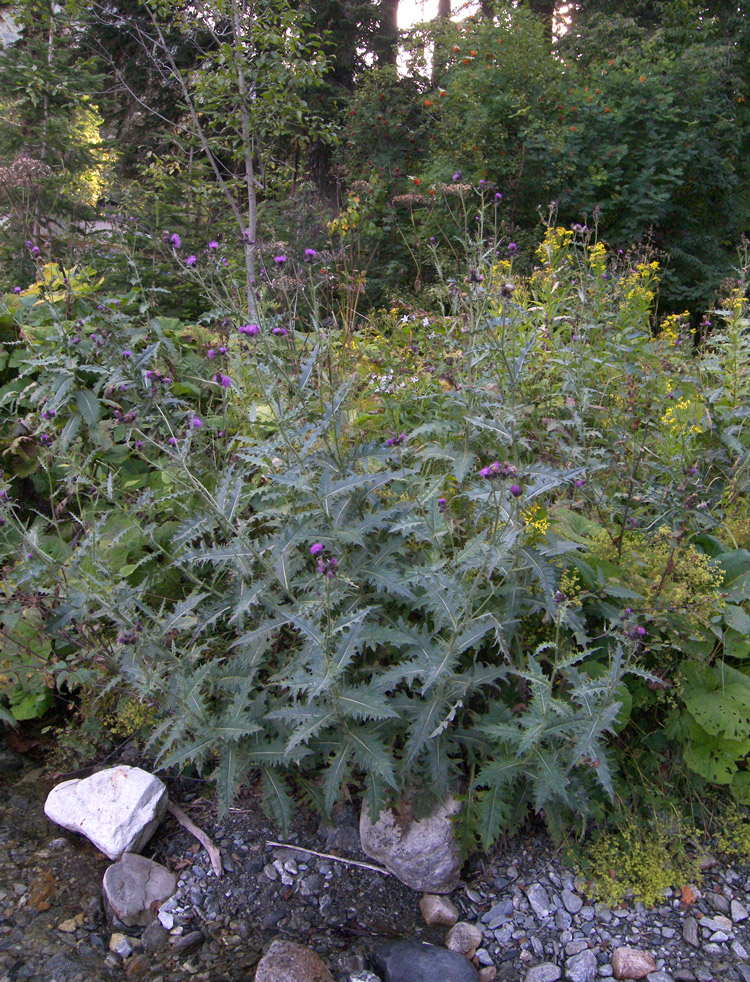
456 47
428 102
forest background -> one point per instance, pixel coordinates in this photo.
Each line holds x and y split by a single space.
374 402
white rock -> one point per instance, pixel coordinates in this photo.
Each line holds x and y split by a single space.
118 809
422 854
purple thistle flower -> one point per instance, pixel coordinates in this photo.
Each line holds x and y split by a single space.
213 245
498 196
211 354
175 241
191 260
224 380
457 176
251 329
279 260
515 490
310 254
138 444
316 548
196 422
442 504
48 414
222 349
395 441
75 340
512 248
28 243
16 289
36 251
173 441
127 353
281 331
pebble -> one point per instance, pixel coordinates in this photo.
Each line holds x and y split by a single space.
546 972
464 938
539 900
690 932
571 901
738 912
582 967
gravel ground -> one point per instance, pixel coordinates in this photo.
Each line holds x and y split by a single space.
531 910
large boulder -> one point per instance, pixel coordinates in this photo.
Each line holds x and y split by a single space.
286 961
412 961
135 888
118 809
422 854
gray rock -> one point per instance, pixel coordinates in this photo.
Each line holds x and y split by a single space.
740 951
563 920
546 972
582 967
539 900
286 961
135 888
499 914
571 901
660 977
60 969
117 809
690 932
744 971
719 902
718 923
738 912
364 976
410 961
422 854
155 937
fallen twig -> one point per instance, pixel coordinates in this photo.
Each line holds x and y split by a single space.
204 840
328 855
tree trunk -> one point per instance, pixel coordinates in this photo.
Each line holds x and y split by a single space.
545 9
385 43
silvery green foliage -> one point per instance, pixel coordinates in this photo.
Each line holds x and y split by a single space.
391 654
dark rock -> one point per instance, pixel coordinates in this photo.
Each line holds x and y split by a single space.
155 937
410 961
188 942
60 969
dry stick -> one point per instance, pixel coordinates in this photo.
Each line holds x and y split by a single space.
327 855
204 840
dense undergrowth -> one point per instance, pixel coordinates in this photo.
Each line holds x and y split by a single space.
497 545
